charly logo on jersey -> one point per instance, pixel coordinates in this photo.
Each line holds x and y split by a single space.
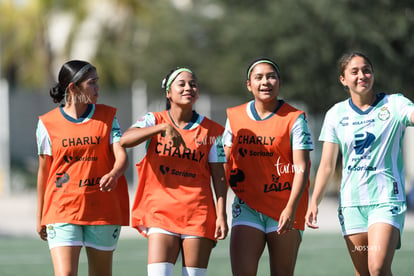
115 234
262 141
80 141
166 170
344 121
384 114
179 152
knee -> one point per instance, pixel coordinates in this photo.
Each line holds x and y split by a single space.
378 269
287 270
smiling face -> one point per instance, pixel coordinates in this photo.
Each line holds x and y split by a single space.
358 76
264 82
183 90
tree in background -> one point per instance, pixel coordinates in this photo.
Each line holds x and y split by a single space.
134 39
25 45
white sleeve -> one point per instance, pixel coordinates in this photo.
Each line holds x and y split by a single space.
405 108
217 154
301 135
328 133
227 135
146 121
43 140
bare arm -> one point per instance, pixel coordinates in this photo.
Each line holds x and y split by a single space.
301 166
220 189
108 181
135 135
325 171
45 162
227 151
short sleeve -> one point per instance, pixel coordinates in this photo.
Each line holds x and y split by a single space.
405 108
146 121
217 154
227 135
44 146
116 132
328 132
301 135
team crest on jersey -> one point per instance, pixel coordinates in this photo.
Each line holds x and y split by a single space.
236 211
51 233
341 217
384 114
394 209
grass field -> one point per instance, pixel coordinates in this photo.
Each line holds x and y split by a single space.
319 255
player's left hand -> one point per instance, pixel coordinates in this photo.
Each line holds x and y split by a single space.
221 228
108 182
286 221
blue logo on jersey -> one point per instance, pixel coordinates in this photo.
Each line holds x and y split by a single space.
363 141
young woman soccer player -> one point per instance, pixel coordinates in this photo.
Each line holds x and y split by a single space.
82 192
267 143
368 129
174 205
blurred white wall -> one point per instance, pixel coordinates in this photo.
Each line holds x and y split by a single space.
4 139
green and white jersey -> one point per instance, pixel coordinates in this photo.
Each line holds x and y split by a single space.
370 143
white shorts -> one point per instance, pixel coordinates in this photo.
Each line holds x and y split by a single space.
154 230
101 237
